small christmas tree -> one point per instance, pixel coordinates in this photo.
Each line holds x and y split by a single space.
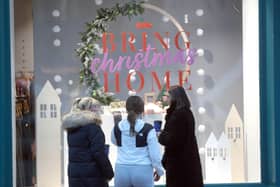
162 96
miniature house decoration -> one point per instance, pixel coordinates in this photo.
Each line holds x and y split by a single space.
234 130
225 157
48 140
211 161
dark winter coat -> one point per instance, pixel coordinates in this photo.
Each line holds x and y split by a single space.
181 158
89 166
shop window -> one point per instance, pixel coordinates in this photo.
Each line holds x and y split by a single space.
208 47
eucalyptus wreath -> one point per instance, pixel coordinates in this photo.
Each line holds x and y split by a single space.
88 47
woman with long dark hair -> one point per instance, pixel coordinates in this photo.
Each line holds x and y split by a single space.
181 158
138 148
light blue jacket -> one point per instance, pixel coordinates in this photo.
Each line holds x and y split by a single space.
129 154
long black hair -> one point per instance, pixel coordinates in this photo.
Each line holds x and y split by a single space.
179 98
134 107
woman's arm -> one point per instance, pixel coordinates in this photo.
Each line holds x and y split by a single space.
113 137
97 148
154 152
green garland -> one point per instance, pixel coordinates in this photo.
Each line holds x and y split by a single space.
87 50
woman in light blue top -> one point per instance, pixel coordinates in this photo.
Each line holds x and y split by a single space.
139 159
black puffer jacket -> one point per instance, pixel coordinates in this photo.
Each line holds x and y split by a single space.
89 166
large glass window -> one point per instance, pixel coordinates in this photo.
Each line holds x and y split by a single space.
209 47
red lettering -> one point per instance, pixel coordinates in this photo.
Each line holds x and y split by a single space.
144 41
111 40
128 83
184 78
124 41
158 36
155 77
117 81
176 40
106 82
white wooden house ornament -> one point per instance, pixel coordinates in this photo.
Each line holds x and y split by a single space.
234 131
48 137
225 157
211 161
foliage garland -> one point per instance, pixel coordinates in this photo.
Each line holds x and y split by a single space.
88 48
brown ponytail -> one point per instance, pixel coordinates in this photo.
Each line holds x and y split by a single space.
134 107
131 117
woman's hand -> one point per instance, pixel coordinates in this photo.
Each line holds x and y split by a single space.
156 176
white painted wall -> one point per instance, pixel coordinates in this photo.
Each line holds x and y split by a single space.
251 88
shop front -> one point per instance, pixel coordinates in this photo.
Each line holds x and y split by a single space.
223 53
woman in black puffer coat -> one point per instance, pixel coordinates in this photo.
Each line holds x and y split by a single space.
89 165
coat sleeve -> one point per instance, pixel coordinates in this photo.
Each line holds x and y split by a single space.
113 137
154 152
178 130
97 148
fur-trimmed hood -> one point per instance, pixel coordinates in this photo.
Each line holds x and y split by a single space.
78 119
